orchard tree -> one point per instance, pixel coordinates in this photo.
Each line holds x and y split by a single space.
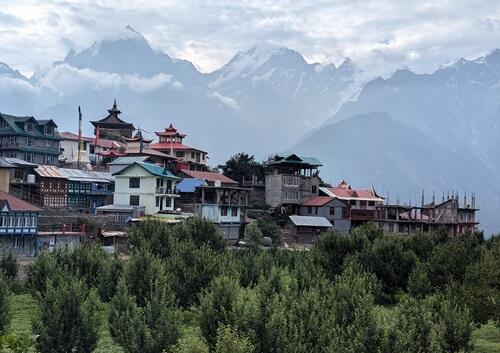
230 341
68 318
217 307
4 304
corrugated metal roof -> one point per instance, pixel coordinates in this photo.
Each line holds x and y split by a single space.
128 160
309 221
19 162
49 171
189 184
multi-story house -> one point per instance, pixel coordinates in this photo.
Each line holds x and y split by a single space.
171 143
74 188
360 204
18 226
328 207
290 180
17 177
145 184
35 141
217 198
456 219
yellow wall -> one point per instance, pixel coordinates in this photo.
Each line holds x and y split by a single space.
4 179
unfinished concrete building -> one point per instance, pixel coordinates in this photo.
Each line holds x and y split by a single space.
449 214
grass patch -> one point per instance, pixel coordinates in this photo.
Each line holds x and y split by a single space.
23 309
487 339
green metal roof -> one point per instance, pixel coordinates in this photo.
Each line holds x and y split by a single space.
128 160
298 160
13 120
154 169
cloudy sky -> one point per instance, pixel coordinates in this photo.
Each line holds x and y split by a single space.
381 33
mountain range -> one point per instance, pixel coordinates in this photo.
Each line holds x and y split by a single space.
403 134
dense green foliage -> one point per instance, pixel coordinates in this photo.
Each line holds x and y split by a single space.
68 318
242 166
4 303
181 291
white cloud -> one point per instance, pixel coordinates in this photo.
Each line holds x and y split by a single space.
378 34
67 80
227 101
10 85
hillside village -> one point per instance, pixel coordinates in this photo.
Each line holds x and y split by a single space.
59 189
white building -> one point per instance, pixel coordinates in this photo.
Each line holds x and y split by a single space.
69 147
145 184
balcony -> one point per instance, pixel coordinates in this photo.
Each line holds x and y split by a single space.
59 229
358 215
31 148
163 190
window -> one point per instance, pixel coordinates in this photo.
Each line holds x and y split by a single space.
28 157
332 211
179 154
362 203
352 202
291 181
12 139
168 202
223 211
49 130
92 149
29 141
134 183
33 221
3 124
313 189
134 200
19 221
315 210
371 203
29 126
192 155
19 174
157 201
18 242
234 211
3 221
12 221
309 209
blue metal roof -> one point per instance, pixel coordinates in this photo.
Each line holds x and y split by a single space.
189 184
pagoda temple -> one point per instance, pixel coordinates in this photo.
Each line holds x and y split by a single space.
171 143
112 125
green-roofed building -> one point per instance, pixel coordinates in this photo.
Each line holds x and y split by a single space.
29 139
145 184
290 180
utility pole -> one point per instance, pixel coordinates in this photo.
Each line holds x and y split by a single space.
79 135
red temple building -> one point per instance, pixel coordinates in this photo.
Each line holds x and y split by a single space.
171 143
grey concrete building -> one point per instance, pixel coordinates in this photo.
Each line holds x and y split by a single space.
329 208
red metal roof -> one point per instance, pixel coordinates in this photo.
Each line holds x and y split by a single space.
166 146
66 135
16 204
346 193
109 143
209 176
111 152
170 131
317 201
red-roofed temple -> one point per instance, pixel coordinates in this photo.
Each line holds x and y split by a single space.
171 143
